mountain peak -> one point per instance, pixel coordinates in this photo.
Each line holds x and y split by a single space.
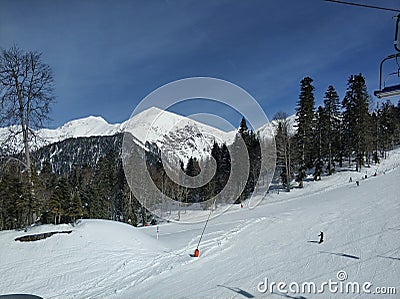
86 121
175 134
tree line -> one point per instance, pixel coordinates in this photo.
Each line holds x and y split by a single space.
348 132
338 132
221 155
101 191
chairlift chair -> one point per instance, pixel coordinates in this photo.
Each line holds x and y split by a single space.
392 90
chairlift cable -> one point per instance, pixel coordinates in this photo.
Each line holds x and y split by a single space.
363 5
383 91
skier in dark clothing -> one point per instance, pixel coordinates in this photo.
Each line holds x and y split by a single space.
321 237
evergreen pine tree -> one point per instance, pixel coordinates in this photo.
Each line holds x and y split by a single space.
320 122
331 130
75 207
10 192
53 209
396 121
192 170
63 194
243 126
304 135
104 182
386 127
224 168
356 118
283 143
247 181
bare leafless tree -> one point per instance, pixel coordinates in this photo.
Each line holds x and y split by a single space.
26 93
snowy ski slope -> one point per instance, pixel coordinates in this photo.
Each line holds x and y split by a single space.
240 249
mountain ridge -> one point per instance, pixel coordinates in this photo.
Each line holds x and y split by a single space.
85 140
92 125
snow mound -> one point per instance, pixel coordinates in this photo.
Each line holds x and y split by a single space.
79 264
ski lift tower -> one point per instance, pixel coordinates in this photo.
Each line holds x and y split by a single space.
390 90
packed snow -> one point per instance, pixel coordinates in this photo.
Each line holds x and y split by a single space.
241 249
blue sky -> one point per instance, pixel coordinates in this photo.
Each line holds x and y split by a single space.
108 55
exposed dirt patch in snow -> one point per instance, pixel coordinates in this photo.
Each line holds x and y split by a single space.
36 237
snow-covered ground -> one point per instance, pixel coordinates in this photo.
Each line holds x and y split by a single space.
240 249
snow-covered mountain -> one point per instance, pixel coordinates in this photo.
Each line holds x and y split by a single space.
173 133
84 127
153 124
178 137
86 140
273 125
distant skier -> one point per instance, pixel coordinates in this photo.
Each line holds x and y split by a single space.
358 183
350 180
321 237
